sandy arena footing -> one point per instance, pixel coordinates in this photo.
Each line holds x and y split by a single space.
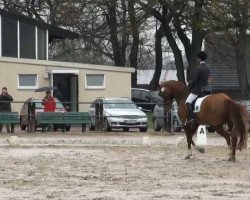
117 165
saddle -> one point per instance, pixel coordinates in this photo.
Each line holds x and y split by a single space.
198 101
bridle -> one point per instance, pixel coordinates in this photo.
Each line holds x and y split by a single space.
167 102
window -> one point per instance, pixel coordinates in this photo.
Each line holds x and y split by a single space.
95 81
9 37
27 81
95 102
27 41
145 95
41 33
136 93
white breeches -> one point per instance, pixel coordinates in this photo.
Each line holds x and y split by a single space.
191 98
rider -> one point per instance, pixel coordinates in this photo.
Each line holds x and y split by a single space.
198 85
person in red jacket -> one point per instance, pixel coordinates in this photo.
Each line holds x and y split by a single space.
49 103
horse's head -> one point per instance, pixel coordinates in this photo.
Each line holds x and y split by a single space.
165 91
170 90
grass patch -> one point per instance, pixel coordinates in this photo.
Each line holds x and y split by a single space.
150 120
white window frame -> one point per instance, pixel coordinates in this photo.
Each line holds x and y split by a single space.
27 87
96 87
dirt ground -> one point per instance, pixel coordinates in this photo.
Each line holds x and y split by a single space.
116 165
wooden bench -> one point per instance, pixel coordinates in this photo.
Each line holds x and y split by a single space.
11 118
45 118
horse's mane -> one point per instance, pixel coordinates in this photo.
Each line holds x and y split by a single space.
178 88
176 85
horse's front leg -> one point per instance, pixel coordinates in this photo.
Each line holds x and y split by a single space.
189 142
189 134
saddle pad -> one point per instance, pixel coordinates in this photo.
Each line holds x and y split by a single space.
198 102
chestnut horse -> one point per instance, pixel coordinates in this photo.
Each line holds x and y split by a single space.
216 110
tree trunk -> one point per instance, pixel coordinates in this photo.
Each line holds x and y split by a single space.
112 23
198 34
125 34
241 66
158 58
177 53
242 19
135 44
197 38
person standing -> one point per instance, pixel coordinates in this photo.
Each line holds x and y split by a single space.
49 104
198 85
5 106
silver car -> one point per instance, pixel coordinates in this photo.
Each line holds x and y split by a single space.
158 117
38 108
176 124
119 113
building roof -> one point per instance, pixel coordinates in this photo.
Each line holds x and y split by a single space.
54 32
221 58
145 76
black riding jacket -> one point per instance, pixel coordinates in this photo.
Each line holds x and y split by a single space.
199 83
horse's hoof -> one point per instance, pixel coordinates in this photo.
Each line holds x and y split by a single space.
188 156
232 159
200 149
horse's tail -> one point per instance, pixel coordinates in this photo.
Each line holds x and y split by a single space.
238 116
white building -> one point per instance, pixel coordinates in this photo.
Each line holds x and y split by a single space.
25 66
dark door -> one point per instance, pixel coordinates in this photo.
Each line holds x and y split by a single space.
67 90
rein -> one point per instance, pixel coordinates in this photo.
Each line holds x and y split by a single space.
168 104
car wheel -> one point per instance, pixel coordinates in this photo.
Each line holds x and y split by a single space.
22 126
210 129
156 125
68 127
144 129
91 127
55 128
176 127
106 125
126 129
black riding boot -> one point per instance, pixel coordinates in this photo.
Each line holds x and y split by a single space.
190 119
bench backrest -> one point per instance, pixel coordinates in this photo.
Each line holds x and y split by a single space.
75 117
66 117
50 117
9 118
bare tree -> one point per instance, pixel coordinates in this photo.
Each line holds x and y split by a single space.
234 21
158 58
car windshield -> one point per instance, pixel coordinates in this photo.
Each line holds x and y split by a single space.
155 95
119 104
40 106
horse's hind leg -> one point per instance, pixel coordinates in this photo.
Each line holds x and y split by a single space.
221 131
233 150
